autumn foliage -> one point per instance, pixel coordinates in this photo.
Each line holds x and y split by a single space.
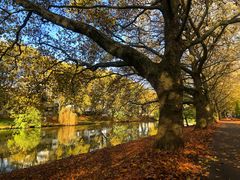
67 116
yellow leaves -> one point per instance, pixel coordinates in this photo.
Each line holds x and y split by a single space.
189 151
147 95
42 80
231 8
152 130
115 141
86 100
84 2
61 98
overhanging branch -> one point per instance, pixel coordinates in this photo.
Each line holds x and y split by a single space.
130 55
150 7
17 36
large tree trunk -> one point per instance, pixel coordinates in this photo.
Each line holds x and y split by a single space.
204 110
167 83
170 121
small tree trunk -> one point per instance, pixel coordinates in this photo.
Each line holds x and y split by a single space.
186 120
219 114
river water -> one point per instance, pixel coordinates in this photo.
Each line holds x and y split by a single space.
30 147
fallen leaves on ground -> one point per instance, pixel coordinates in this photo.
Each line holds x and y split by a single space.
133 160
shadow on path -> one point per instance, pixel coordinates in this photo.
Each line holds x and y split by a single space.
226 146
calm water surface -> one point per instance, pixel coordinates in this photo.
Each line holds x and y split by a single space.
30 147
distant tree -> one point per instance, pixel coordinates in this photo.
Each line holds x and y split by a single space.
237 109
189 114
41 81
29 117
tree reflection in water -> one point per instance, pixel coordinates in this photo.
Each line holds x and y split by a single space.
22 147
66 134
24 140
30 147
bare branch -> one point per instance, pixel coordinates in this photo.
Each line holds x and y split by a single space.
17 35
187 70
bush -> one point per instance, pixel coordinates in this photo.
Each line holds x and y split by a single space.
30 117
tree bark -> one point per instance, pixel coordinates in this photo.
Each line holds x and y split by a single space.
168 88
167 82
204 110
186 120
217 110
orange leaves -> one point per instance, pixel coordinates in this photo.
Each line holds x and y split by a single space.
189 167
189 151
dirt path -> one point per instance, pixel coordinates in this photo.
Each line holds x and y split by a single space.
226 146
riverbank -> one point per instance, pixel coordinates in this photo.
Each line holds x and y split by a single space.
6 124
136 160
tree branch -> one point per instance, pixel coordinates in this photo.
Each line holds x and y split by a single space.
189 90
150 7
93 67
130 55
225 23
189 2
145 103
108 64
187 70
17 36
